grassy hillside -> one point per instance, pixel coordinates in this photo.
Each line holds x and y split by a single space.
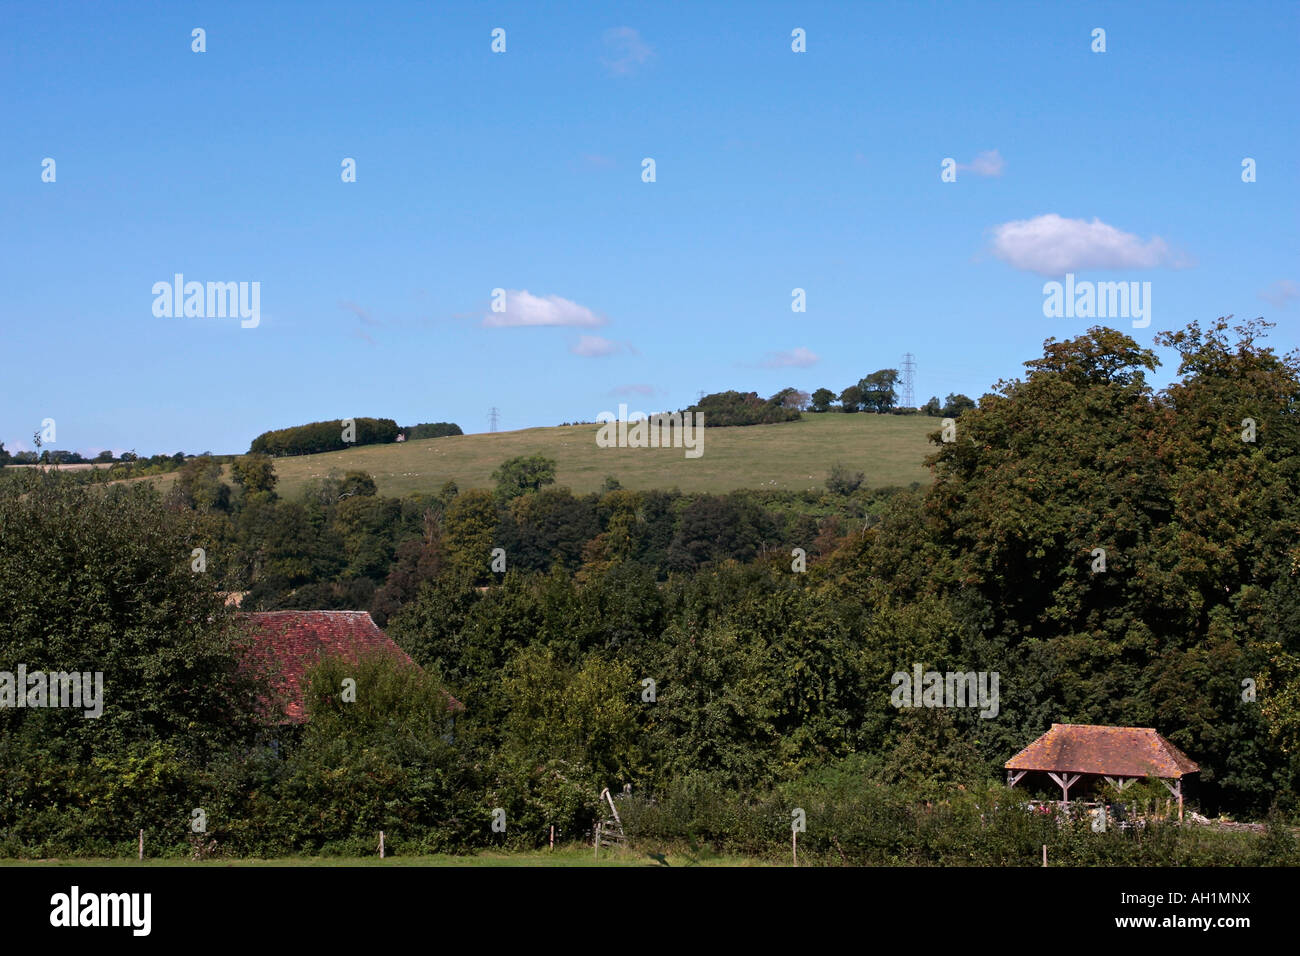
792 456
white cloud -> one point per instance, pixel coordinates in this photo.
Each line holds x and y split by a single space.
1052 245
524 308
594 346
793 358
987 163
1281 293
626 51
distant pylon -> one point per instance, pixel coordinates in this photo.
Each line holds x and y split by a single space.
909 380
493 417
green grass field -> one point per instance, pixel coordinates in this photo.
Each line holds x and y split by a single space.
888 449
564 856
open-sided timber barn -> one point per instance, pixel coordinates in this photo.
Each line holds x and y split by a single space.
1069 753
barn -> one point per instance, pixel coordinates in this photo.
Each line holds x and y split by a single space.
282 646
1080 755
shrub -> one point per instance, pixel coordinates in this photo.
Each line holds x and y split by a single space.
841 481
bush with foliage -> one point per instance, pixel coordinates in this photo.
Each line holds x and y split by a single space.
431 430
842 481
723 409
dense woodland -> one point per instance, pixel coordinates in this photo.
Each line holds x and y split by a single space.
771 683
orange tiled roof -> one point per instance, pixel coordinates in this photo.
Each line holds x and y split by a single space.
1113 751
284 645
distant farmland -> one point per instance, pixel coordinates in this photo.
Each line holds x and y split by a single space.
888 449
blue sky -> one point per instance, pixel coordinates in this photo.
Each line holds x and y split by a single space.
523 171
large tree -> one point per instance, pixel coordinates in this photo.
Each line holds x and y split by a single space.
522 474
106 580
878 394
199 486
955 404
255 474
822 399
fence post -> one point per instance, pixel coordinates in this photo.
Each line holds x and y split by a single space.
381 844
142 844
1044 854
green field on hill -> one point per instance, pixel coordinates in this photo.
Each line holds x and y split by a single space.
792 456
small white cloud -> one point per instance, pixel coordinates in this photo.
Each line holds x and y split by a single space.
625 51
793 358
1281 293
523 309
987 163
594 346
1052 245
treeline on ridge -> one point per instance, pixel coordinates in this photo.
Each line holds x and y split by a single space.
431 430
876 392
318 437
725 409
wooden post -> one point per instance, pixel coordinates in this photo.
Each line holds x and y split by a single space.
597 854
552 836
142 844
381 844
794 845
1176 788
1065 781
1044 854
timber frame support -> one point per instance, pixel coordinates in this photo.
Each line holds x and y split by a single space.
1176 788
1065 782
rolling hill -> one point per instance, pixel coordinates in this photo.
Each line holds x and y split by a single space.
888 449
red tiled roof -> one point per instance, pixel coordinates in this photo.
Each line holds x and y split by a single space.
1113 751
284 645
